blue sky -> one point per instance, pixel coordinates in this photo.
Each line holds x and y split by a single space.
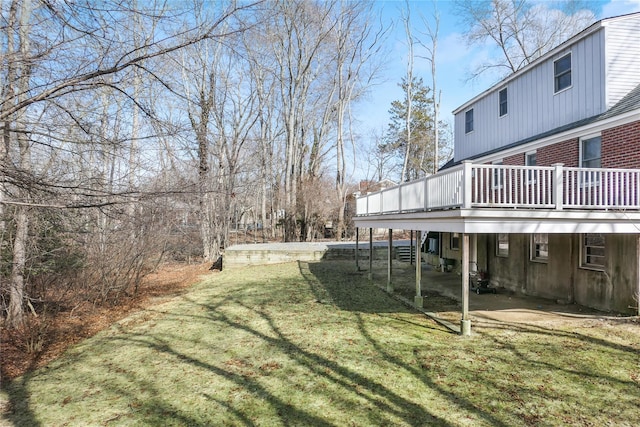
454 59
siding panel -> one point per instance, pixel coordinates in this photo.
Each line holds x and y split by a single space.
622 58
533 106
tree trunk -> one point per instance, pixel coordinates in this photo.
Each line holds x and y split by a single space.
15 311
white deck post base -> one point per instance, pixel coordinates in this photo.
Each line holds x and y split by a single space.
465 328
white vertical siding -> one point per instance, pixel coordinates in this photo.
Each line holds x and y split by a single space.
533 108
622 57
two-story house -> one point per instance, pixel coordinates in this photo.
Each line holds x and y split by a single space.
545 180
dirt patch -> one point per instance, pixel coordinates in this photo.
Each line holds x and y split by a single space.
46 337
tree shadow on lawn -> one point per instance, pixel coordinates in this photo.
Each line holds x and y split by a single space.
339 283
375 392
346 292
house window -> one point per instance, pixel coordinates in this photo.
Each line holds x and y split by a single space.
539 247
498 175
590 149
468 121
455 241
592 252
562 73
531 159
502 95
502 245
590 158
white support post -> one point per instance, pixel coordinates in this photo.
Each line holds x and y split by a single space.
558 185
465 323
411 247
370 254
466 184
389 261
357 249
418 299
637 296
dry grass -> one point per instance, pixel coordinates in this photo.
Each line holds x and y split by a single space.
315 344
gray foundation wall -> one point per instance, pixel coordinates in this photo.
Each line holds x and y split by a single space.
561 277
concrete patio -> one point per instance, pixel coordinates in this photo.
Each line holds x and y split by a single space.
504 306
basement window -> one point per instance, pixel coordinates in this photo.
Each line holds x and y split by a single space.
592 251
454 244
502 245
540 247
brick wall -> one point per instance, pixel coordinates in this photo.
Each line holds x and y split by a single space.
567 152
620 149
621 146
515 160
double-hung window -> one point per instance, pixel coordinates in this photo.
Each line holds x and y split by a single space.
590 152
562 73
590 155
531 159
498 175
468 121
502 99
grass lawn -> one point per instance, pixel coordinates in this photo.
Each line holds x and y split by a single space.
306 344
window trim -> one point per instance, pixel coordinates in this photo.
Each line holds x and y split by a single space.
584 256
468 124
500 102
533 250
556 75
503 254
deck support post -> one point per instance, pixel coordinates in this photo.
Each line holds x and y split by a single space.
637 296
418 300
370 254
357 249
389 261
465 323
411 247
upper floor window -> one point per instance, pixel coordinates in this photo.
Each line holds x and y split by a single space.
468 121
502 95
590 149
562 73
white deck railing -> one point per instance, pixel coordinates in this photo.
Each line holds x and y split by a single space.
502 186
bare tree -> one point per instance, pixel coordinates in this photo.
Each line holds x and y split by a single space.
431 48
409 79
521 30
304 27
55 55
357 42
